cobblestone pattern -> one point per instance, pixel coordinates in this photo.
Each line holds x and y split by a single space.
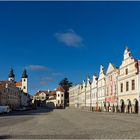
69 124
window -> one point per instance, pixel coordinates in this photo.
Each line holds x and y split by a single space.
107 91
115 88
24 87
111 90
58 95
58 101
133 84
24 80
127 86
61 95
126 71
121 87
111 77
61 101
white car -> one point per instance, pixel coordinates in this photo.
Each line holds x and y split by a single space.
5 109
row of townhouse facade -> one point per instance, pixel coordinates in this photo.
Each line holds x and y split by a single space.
117 90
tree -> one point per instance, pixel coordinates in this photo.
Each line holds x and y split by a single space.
66 85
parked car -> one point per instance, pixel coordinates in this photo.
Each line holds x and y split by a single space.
1 111
5 109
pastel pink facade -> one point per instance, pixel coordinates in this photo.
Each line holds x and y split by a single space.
111 98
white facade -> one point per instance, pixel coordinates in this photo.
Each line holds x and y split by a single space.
83 95
25 85
101 89
74 96
118 90
59 97
111 98
88 93
128 84
94 93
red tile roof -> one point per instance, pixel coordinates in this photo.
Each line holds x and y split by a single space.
46 92
40 91
11 84
60 89
53 92
18 84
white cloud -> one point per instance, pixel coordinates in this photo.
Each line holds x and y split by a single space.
70 38
45 80
36 67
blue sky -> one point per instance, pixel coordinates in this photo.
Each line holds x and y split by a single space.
54 40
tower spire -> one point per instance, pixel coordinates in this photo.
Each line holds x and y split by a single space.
24 74
24 81
11 75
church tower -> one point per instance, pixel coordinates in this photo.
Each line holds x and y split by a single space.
24 81
11 75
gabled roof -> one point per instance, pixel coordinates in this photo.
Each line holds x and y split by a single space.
53 92
42 91
111 67
60 89
48 93
45 91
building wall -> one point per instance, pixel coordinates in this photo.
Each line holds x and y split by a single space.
74 96
59 99
51 103
83 95
101 89
111 98
108 93
128 72
88 94
94 93
10 96
24 85
24 99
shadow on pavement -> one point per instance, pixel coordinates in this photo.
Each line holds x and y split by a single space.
46 137
28 112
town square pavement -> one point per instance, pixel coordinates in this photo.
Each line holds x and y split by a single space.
69 124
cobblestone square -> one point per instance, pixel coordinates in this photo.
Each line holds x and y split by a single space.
69 124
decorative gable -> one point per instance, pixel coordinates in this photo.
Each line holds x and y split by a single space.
111 68
42 94
127 53
101 74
